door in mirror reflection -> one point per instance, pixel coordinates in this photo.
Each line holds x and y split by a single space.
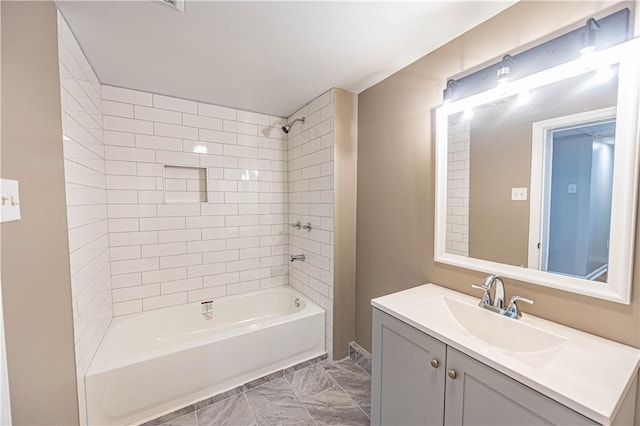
573 238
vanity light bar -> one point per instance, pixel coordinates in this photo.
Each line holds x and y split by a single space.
594 35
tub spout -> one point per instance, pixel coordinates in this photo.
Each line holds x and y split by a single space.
299 257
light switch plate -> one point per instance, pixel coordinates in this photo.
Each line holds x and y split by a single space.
519 194
9 200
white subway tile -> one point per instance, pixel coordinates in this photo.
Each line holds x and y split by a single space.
118 138
177 158
118 94
206 246
157 302
243 287
207 293
168 249
218 160
201 122
124 253
136 265
175 104
164 275
117 108
126 280
120 168
243 265
252 117
201 147
180 285
158 142
221 279
127 125
216 111
237 127
129 307
132 238
179 210
180 260
161 223
131 210
129 154
179 235
150 197
217 136
220 256
239 151
123 225
158 115
205 221
175 131
122 196
206 269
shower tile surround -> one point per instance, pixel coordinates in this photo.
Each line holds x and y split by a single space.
165 253
135 249
311 172
85 181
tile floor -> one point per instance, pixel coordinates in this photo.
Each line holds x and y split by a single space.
324 393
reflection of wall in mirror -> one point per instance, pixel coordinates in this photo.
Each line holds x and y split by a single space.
458 188
500 159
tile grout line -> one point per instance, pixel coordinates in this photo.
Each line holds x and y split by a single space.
347 393
300 401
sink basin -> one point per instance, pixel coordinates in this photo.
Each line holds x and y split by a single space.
500 331
492 328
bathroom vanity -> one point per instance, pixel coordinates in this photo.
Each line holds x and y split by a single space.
438 358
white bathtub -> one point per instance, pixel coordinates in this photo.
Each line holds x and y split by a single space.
157 361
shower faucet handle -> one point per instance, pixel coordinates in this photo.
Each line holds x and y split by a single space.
306 227
297 225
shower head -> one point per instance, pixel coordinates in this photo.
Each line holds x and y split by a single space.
288 126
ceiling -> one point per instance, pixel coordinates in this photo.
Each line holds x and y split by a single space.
269 57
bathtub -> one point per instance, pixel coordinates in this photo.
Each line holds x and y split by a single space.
157 361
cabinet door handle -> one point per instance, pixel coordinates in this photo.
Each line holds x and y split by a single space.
435 363
452 374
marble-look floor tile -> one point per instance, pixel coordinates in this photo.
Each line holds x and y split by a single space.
233 411
335 407
353 379
219 397
167 418
275 403
188 420
309 381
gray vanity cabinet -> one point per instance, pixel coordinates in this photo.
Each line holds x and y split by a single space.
480 395
408 389
409 374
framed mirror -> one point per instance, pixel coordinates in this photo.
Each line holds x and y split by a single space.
536 180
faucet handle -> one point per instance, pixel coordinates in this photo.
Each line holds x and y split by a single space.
512 309
486 297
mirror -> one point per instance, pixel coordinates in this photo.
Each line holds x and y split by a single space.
536 180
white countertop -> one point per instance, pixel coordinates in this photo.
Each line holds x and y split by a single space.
588 374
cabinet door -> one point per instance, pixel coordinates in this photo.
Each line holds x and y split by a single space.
480 395
406 388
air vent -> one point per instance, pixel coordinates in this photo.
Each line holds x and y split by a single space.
177 4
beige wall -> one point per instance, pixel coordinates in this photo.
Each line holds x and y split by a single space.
36 287
344 251
395 220
500 158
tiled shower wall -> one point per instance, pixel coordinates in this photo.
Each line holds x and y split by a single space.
459 145
86 201
311 171
169 253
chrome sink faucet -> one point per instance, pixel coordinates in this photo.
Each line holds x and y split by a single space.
497 303
486 301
